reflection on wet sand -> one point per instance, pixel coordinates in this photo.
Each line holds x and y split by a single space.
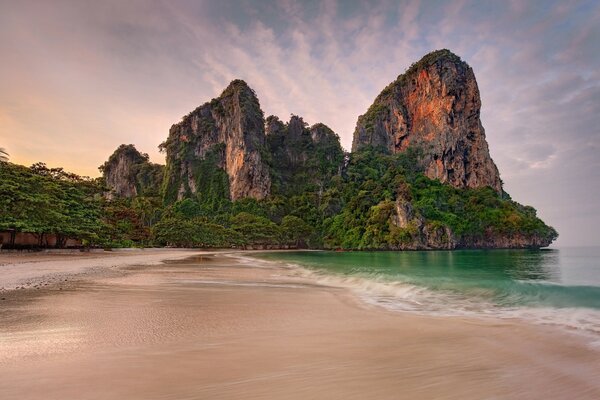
211 327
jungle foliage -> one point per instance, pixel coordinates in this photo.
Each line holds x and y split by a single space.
355 208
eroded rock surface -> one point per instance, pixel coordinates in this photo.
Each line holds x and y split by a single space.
129 173
434 106
224 135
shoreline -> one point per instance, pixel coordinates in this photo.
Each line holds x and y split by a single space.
214 326
31 270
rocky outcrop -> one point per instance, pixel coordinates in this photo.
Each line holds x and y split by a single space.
226 150
416 233
219 149
129 173
302 157
493 240
435 107
412 231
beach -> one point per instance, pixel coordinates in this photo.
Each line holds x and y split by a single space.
220 325
21 270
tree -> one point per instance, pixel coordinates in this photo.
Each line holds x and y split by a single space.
197 232
123 225
255 229
3 154
48 201
295 231
175 232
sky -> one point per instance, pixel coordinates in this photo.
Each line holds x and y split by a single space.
78 78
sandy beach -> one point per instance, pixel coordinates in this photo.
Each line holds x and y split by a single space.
23 270
217 326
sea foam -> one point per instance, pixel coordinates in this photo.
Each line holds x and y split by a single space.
395 295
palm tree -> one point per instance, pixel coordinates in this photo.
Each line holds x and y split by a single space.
3 154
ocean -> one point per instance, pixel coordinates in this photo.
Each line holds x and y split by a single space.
558 287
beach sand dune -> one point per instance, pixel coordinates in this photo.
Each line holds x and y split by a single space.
215 327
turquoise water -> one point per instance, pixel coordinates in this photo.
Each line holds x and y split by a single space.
552 286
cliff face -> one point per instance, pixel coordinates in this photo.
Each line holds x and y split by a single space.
303 158
434 106
373 199
420 234
128 173
218 149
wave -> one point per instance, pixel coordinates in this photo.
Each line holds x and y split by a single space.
534 302
406 297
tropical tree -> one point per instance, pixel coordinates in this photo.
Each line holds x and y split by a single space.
48 201
295 231
175 231
255 229
3 154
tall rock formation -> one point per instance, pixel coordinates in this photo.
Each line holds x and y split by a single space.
225 150
218 149
434 106
129 173
303 158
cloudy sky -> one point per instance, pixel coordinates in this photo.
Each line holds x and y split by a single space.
78 78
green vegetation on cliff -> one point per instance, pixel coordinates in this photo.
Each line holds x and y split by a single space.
218 151
130 173
234 179
302 158
426 61
359 209
376 184
379 201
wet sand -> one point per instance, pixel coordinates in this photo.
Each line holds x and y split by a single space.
216 327
25 270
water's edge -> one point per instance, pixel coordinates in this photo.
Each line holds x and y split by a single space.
401 296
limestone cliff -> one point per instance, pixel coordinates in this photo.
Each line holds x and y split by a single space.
129 173
418 233
302 158
433 106
445 195
219 149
